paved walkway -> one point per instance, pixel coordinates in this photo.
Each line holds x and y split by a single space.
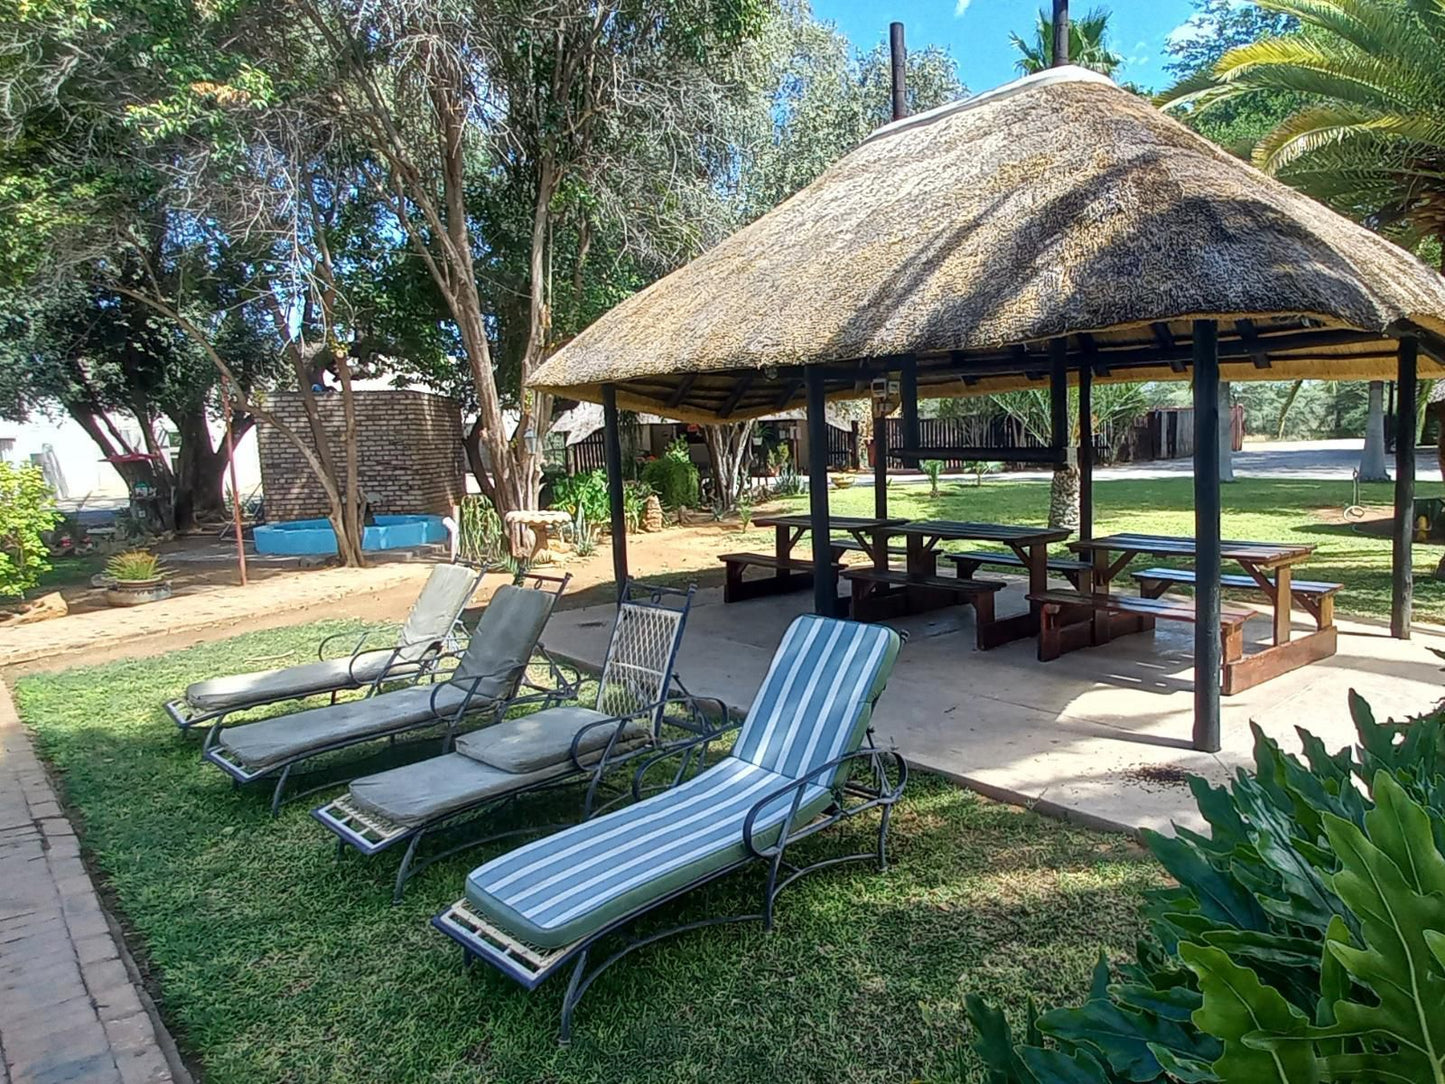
69 1010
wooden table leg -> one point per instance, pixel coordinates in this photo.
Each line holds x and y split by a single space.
1101 587
783 546
1283 604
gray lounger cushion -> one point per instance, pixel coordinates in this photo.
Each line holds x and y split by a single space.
272 741
500 647
446 591
537 748
542 738
308 679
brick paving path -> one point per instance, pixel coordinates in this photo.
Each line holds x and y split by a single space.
69 1011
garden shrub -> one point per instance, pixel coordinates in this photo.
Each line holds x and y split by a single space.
27 510
1305 940
673 477
587 492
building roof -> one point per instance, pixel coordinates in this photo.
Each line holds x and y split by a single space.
1057 207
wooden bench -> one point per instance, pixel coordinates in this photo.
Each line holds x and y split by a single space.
791 574
968 563
1066 619
848 545
867 606
1315 596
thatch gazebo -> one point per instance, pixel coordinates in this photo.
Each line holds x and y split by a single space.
1059 229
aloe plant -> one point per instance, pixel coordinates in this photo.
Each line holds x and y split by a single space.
134 566
1305 940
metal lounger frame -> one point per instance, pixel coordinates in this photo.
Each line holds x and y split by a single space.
416 670
371 834
530 965
564 687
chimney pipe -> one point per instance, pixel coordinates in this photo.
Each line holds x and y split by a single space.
899 56
1061 32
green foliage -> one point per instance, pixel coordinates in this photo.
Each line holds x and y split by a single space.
134 566
1366 122
788 483
673 477
634 503
584 535
1032 408
933 468
586 492
1304 940
482 534
1088 44
745 510
27 509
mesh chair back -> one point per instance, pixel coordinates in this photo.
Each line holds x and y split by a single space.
817 698
436 610
643 650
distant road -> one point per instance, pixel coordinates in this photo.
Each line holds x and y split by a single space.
1316 460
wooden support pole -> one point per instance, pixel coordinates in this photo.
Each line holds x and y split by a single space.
1059 397
898 55
1402 587
1208 649
908 390
1061 33
880 467
825 587
1086 451
612 453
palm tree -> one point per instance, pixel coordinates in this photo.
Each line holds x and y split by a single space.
1369 136
1087 44
1032 411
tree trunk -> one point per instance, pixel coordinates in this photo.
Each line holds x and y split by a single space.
1372 459
1064 498
728 447
1226 434
200 468
1284 409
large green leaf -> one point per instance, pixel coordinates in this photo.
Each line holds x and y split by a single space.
1122 1036
1237 1004
1219 896
1393 879
1056 1067
993 1043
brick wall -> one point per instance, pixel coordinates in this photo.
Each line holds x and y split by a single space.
409 443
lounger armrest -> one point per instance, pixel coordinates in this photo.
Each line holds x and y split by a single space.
566 678
687 694
413 668
618 723
355 649
884 793
682 748
467 684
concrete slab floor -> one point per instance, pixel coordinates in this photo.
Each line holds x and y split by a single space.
1084 736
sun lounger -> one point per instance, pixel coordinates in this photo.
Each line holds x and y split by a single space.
429 629
803 760
554 747
484 683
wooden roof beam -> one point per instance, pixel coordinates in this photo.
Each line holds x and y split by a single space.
1165 338
683 387
1250 338
739 390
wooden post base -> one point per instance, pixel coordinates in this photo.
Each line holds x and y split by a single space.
1248 671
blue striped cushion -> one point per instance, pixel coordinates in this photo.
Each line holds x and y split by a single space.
562 888
813 704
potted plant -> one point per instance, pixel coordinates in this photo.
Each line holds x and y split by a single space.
134 578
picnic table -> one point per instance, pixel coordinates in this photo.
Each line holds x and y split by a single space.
1268 568
880 591
796 573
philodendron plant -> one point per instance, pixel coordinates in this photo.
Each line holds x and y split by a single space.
1305 940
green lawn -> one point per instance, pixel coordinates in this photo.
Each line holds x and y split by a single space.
275 962
1256 509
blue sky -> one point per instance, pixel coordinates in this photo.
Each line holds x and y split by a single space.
976 32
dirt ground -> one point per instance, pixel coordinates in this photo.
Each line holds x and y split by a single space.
210 604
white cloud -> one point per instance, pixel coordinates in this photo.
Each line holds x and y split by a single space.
960 7
1195 28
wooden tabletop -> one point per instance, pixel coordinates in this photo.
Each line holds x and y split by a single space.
1254 553
982 532
837 523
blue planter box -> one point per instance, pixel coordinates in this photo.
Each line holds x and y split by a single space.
312 536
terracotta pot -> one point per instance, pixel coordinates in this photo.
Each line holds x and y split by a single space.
137 592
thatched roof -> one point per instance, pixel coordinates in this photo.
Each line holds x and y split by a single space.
969 236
